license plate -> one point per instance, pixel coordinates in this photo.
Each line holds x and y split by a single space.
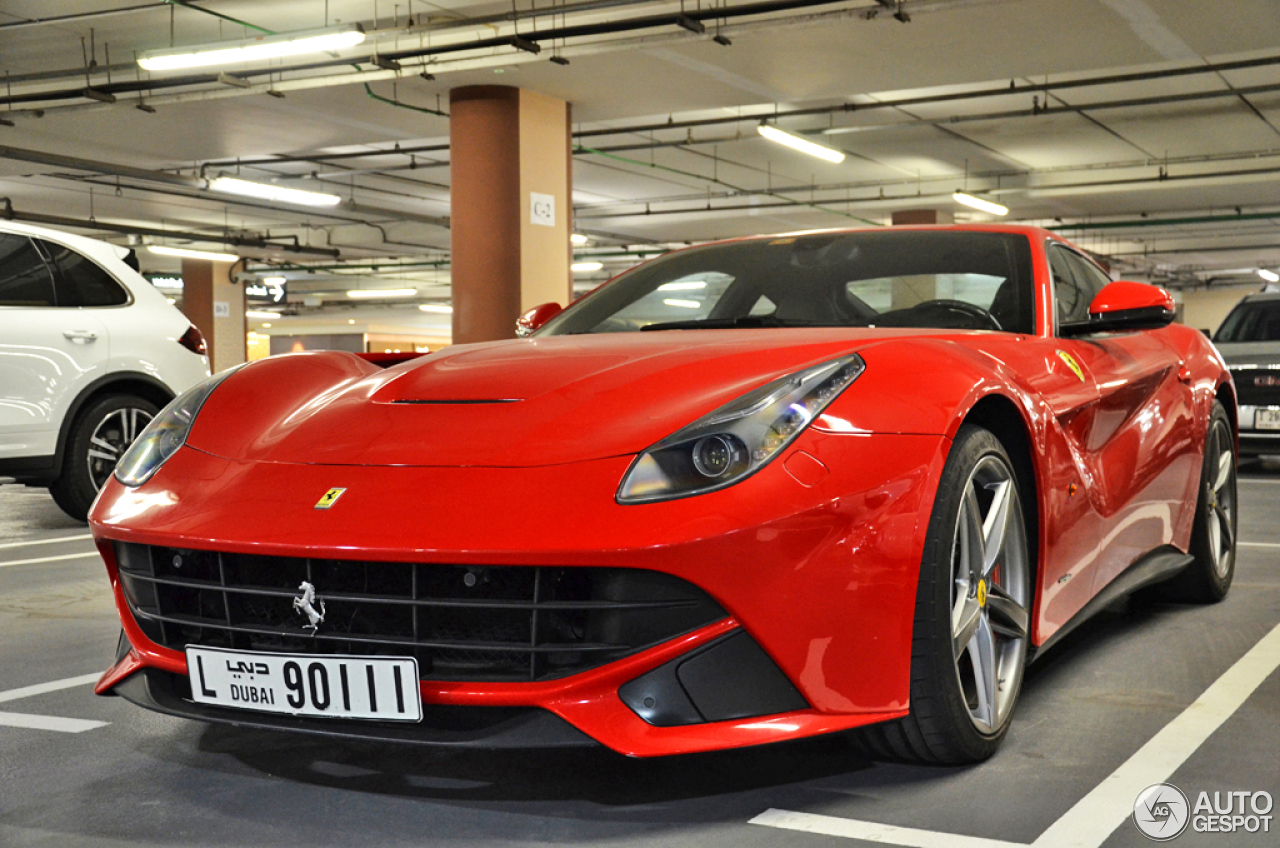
384 688
1266 419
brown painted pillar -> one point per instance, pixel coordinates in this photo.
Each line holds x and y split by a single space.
216 306
908 217
511 207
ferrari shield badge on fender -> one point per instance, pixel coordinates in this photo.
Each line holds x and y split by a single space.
1072 364
329 498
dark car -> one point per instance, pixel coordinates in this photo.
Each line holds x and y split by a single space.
1249 340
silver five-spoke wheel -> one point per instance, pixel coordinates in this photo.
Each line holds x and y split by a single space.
989 594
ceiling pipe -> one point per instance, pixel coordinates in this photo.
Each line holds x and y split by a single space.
494 42
11 214
1166 222
994 91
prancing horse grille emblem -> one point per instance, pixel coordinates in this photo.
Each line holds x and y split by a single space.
305 605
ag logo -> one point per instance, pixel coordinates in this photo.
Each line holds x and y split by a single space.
1161 812
329 498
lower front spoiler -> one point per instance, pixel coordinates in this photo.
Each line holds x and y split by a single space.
441 725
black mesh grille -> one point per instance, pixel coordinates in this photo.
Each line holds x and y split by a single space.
460 622
1257 386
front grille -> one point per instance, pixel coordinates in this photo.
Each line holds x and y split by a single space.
1250 393
460 622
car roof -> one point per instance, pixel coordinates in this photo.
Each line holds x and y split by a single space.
1261 297
94 247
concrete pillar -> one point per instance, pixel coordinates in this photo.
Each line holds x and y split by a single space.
216 306
511 207
907 217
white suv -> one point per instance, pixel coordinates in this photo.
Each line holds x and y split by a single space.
89 352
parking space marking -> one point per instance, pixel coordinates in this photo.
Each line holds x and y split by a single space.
84 555
52 686
1258 544
43 722
1095 816
79 538
874 832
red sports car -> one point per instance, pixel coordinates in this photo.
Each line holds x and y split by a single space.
747 492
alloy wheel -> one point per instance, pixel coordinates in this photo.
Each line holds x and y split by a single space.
113 435
1220 495
990 594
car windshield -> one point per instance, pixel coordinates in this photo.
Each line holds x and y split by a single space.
1252 321
946 279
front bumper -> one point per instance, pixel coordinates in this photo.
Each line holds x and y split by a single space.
819 570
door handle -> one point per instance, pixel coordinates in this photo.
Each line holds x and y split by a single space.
83 336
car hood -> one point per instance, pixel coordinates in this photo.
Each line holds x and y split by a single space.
510 403
1250 354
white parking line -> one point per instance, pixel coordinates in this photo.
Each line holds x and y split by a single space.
49 559
41 722
53 686
1095 816
1259 544
79 538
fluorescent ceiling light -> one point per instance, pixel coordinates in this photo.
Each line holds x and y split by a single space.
689 286
795 142
579 238
186 253
980 204
370 294
684 304
586 266
251 49
275 281
261 313
439 308
266 191
1269 276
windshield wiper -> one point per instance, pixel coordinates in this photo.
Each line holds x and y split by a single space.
741 321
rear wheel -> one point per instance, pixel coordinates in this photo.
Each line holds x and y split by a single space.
972 616
1213 537
101 433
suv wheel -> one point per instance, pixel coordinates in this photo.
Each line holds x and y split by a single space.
101 433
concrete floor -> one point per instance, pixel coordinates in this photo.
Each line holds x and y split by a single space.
145 779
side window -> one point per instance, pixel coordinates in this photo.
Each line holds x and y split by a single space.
24 278
80 281
1089 277
1071 295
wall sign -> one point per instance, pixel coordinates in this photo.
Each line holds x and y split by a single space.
222 309
542 209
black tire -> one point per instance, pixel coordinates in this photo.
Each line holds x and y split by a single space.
115 420
1213 536
942 727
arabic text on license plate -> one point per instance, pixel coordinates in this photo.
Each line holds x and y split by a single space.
1267 419
384 688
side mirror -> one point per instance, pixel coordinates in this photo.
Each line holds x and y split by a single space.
1125 305
536 317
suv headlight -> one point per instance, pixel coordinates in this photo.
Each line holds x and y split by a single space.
738 439
166 433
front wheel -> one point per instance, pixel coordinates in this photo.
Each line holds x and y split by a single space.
1213 537
101 433
972 618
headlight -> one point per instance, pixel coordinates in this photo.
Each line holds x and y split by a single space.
166 433
738 439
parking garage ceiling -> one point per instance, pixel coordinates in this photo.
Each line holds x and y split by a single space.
1147 130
